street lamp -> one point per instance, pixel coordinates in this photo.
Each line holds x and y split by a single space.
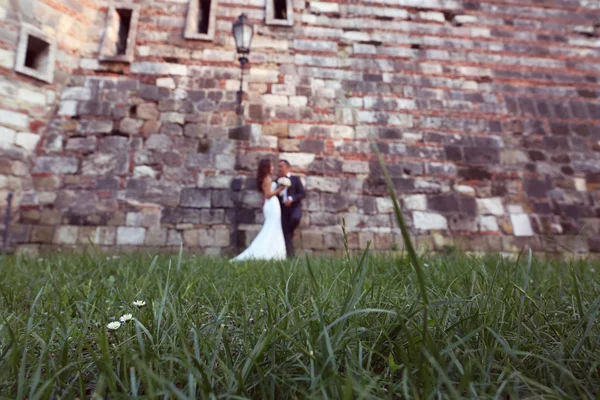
243 30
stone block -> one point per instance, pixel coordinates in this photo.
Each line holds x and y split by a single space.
7 137
159 142
521 225
356 167
212 217
114 144
150 191
86 235
130 126
95 126
14 119
106 164
313 240
156 237
191 237
323 184
27 141
76 93
130 236
56 165
66 235
105 236
195 198
222 237
333 240
428 221
147 111
300 161
83 144
491 206
488 224
42 234
222 199
416 202
174 238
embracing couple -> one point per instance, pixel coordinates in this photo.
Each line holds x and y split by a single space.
282 209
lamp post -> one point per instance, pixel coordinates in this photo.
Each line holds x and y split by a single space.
243 30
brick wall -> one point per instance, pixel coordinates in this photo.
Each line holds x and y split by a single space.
487 112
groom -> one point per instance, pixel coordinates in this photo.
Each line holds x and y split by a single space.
291 206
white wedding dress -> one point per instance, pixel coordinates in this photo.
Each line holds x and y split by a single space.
270 243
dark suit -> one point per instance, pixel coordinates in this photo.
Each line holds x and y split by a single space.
290 216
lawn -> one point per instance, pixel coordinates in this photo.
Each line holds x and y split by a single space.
318 328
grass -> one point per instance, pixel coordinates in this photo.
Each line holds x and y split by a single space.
318 328
369 327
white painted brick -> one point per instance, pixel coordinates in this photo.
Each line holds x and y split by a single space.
26 140
77 93
491 206
12 118
130 236
488 223
67 108
521 225
7 137
427 221
324 7
415 202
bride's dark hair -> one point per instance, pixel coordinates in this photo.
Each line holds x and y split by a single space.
264 169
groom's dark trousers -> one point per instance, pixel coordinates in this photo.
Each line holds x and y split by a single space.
291 216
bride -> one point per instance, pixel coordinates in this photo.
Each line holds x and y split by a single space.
270 242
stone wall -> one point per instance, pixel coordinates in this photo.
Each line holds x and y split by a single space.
28 104
487 113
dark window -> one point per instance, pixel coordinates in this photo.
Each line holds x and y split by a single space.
37 53
203 16
280 9
124 27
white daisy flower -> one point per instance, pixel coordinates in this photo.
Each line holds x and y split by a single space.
139 303
126 317
114 325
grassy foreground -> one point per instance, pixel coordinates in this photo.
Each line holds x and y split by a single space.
334 328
